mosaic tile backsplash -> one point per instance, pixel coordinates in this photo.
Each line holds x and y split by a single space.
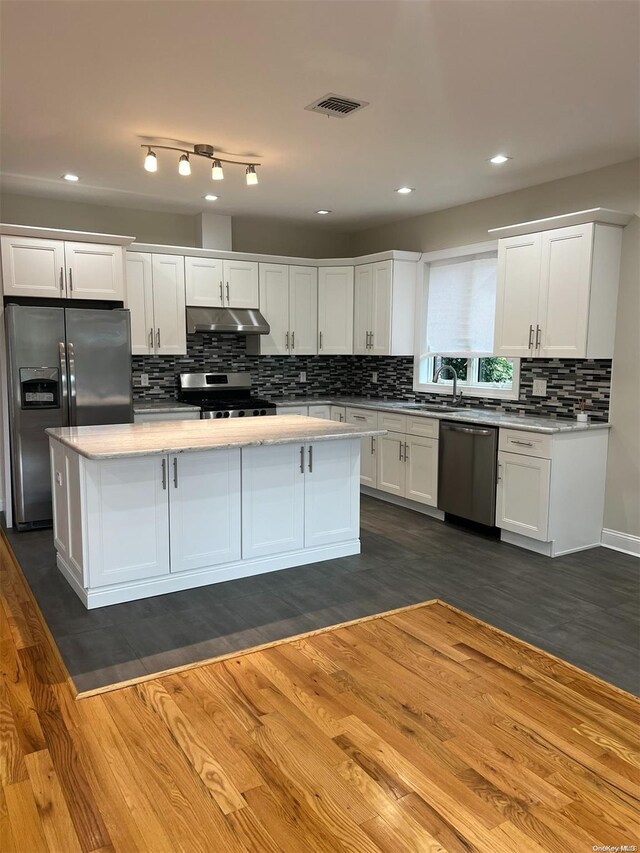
568 380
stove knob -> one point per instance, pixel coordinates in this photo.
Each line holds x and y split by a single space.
218 414
263 412
255 412
241 413
226 414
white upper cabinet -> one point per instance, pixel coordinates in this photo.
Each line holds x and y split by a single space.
241 284
335 311
289 302
216 283
156 300
384 308
63 269
140 302
204 282
32 267
274 306
557 292
303 310
94 271
518 286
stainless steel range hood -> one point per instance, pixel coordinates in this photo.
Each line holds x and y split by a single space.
239 321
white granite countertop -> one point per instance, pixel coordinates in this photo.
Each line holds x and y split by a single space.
488 417
161 407
122 440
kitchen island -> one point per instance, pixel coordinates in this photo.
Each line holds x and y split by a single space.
145 509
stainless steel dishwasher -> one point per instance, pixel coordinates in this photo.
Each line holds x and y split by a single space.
467 471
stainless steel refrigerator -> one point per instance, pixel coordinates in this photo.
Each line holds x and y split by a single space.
66 367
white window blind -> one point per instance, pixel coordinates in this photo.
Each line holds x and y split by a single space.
461 300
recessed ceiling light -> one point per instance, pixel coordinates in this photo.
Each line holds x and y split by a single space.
323 212
70 177
210 197
499 159
404 190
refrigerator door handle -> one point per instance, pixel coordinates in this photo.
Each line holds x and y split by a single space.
72 387
62 355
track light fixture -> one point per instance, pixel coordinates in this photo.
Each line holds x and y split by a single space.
184 162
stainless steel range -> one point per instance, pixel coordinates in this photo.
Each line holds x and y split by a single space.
223 395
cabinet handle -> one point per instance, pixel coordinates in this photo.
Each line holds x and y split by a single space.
164 474
522 443
151 338
320 339
221 294
286 340
538 336
70 279
228 300
406 452
302 460
293 340
310 458
366 340
158 337
530 337
370 340
61 278
400 446
373 445
499 472
175 472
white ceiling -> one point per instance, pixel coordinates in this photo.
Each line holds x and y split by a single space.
552 84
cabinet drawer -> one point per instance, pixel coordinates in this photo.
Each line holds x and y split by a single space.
526 443
362 417
392 422
427 427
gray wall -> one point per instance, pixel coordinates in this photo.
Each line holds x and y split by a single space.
615 187
249 234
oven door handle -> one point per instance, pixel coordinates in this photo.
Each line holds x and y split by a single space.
469 430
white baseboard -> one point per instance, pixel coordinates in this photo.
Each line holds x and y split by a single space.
624 542
135 590
403 502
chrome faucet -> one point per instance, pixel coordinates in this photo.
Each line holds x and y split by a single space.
455 401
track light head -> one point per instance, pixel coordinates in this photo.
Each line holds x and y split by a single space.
151 162
184 166
252 176
216 171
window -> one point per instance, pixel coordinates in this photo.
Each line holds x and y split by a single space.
456 325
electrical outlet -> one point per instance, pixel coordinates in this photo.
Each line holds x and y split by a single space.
374 377
144 380
539 387
303 376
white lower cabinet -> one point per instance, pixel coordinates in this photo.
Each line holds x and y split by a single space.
408 464
127 530
550 492
338 413
299 496
320 411
272 500
204 509
292 410
368 445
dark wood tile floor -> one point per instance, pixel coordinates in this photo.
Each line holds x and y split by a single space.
584 608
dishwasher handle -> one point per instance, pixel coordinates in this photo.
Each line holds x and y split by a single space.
469 430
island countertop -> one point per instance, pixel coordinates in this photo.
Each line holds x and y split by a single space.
122 440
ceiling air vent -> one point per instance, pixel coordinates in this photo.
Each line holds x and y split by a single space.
336 106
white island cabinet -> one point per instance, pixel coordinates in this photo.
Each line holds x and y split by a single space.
143 509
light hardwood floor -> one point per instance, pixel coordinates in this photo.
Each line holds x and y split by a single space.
421 730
